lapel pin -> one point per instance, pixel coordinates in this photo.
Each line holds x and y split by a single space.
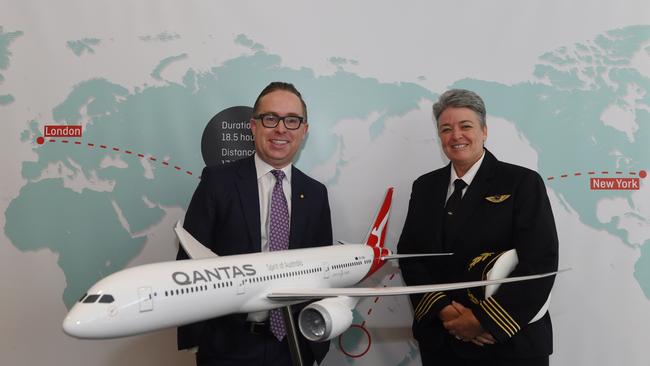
302 195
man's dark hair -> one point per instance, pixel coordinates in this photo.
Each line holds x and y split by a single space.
280 85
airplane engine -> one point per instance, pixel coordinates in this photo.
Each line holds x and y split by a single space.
328 318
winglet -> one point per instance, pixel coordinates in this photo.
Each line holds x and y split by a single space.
377 233
193 247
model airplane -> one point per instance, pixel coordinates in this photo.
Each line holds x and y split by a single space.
169 294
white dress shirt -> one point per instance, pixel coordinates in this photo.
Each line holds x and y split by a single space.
467 178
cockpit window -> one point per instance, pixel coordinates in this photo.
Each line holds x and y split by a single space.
82 297
91 299
106 299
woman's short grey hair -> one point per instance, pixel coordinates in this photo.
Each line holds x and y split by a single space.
460 98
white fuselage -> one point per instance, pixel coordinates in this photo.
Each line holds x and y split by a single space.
168 294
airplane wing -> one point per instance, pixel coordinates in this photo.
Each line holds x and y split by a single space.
306 294
403 256
193 247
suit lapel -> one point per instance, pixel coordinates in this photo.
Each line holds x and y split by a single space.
250 202
439 197
299 208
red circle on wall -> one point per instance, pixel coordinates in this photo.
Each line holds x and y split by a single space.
357 355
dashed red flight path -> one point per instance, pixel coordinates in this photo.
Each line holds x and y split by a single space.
640 174
41 140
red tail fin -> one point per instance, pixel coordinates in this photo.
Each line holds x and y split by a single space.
377 233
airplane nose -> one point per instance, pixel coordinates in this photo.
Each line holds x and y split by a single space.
72 325
79 323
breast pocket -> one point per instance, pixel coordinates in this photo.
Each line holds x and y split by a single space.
496 217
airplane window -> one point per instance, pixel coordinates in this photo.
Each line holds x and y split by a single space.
106 299
91 299
82 297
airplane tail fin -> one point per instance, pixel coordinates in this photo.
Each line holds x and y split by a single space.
377 233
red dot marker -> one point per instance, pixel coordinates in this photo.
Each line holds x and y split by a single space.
643 174
40 140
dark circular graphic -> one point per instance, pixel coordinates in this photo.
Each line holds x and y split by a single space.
227 137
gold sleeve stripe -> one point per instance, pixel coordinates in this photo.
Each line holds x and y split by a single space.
426 297
426 303
505 318
509 331
502 311
500 316
428 306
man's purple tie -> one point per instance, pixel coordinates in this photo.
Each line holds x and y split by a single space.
278 240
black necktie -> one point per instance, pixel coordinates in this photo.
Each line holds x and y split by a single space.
451 210
453 202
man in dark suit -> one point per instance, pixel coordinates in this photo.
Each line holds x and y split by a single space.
230 213
477 206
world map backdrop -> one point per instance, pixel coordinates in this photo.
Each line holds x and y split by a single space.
143 80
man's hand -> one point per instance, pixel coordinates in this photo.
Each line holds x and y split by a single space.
465 326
